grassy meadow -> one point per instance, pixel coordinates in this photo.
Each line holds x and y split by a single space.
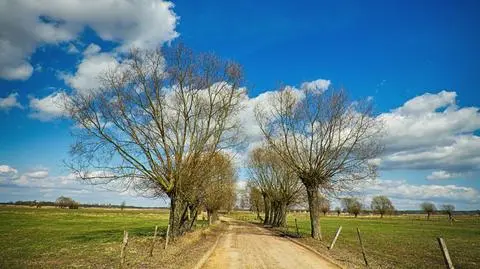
407 241
85 238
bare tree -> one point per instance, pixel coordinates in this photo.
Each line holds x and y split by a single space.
338 210
352 205
428 208
151 118
448 209
328 141
278 184
324 205
256 200
382 205
220 185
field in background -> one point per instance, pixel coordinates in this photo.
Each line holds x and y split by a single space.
393 242
51 237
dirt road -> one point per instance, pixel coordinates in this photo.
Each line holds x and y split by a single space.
248 246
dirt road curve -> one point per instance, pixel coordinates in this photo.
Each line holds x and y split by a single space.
249 246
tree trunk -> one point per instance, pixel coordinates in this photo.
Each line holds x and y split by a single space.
312 194
178 216
266 202
212 216
381 215
428 215
283 215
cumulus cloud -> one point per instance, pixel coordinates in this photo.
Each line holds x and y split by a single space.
25 25
318 86
48 108
401 189
7 173
90 68
432 132
72 49
10 102
439 175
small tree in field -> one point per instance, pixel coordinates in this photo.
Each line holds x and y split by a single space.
324 205
428 208
66 202
122 205
338 210
352 206
448 209
382 205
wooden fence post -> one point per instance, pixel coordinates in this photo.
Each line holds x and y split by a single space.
296 226
153 241
124 247
363 248
166 239
335 238
446 256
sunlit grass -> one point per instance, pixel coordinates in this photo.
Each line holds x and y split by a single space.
398 241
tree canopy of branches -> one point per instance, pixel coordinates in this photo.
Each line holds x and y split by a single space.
448 209
66 202
324 204
256 200
150 121
428 208
352 206
338 210
324 138
277 183
382 205
220 185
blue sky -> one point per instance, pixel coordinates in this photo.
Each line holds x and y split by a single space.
418 60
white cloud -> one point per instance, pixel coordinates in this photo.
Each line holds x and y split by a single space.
92 49
37 174
25 25
10 102
7 173
49 107
402 190
436 175
431 132
72 49
92 66
319 85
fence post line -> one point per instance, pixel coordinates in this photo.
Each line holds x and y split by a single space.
153 241
363 248
446 255
124 247
335 238
296 226
167 235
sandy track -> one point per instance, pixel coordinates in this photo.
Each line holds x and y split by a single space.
248 246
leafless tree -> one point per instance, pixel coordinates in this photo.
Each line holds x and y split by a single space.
151 118
324 204
278 184
352 205
256 199
448 209
328 141
338 210
220 181
382 205
428 208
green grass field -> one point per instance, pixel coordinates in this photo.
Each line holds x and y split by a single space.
395 242
52 238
